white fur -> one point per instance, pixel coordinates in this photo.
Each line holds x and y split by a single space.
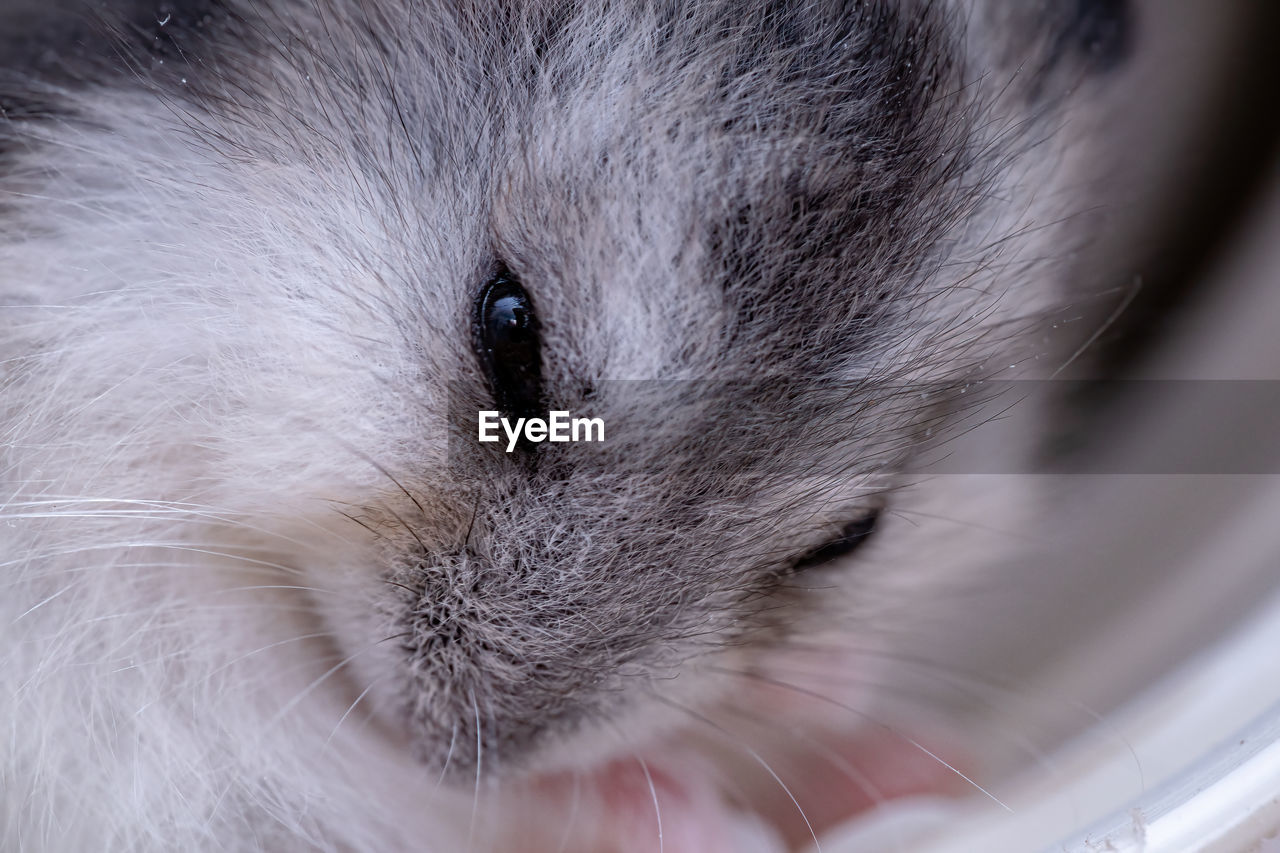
213 358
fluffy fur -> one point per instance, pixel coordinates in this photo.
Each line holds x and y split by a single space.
261 589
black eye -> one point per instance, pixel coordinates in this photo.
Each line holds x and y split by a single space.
852 535
508 345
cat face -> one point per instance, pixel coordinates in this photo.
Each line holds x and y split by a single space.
271 281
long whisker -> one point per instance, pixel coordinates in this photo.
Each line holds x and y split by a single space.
184 511
868 718
977 686
573 812
755 756
475 800
859 778
350 708
653 792
453 739
302 694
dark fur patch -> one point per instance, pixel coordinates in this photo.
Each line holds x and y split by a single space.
859 83
69 41
1103 30
1100 32
50 46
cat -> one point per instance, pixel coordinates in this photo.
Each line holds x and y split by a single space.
264 263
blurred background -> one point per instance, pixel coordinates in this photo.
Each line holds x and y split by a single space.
1128 696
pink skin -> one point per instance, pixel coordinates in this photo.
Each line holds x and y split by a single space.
785 760
730 806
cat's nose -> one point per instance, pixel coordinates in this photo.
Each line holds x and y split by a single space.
496 663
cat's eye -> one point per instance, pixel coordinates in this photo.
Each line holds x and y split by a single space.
852 536
508 345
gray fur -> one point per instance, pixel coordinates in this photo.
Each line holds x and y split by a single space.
754 232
